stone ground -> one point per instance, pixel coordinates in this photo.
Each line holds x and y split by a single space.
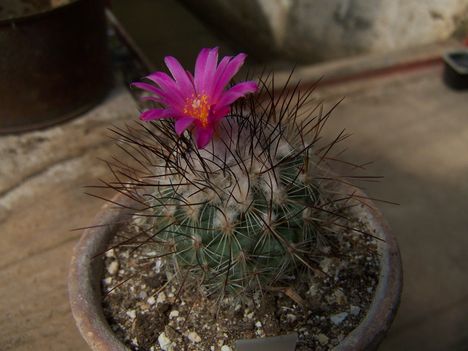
410 123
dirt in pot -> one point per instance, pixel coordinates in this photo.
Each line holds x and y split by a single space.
150 312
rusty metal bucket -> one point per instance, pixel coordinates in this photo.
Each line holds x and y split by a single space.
54 62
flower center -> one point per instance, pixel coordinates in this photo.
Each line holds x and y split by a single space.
198 107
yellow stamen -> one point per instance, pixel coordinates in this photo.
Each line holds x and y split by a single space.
198 107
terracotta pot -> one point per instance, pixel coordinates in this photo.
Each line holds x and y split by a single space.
86 274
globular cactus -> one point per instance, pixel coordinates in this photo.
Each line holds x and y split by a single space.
238 214
245 210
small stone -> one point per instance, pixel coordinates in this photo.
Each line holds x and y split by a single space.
173 314
131 314
354 310
161 297
151 300
291 317
110 253
250 315
340 297
143 306
194 337
322 339
338 318
165 342
135 341
312 290
225 348
113 267
107 281
258 324
326 264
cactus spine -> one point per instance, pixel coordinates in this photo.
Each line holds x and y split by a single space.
248 211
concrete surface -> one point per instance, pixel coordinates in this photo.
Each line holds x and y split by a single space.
411 124
42 177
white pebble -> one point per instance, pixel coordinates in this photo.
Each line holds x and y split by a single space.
250 315
165 342
131 314
113 268
151 300
326 264
225 348
354 310
194 337
291 317
107 281
173 314
161 297
258 324
338 318
110 253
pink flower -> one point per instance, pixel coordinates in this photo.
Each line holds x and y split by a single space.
200 101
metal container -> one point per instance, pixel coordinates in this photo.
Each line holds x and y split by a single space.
54 64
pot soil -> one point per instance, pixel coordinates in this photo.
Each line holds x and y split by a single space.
121 300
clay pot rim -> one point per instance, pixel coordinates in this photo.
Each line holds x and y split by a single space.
85 297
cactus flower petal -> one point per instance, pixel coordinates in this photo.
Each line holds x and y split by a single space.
203 136
196 102
182 124
153 114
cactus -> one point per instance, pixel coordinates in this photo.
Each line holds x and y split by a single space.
237 215
246 211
